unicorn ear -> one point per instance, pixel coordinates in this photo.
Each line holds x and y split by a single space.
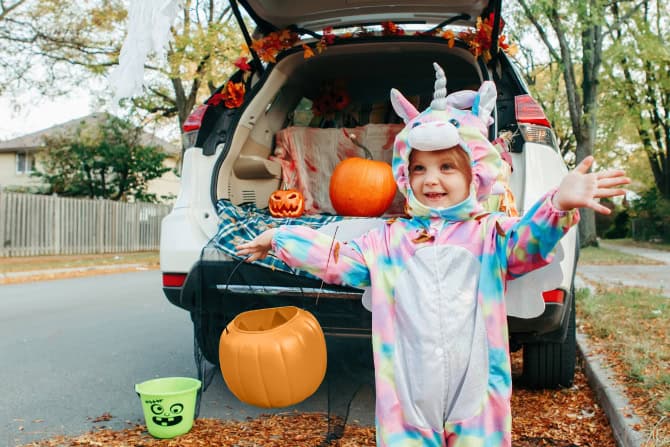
462 99
485 101
402 106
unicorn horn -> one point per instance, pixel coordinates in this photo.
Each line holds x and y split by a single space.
440 95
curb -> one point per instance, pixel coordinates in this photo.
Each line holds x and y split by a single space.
609 397
608 393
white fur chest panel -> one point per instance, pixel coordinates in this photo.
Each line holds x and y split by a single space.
440 358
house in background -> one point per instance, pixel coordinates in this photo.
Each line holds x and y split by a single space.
18 157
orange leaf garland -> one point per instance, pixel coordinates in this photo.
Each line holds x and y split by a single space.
307 51
269 46
479 40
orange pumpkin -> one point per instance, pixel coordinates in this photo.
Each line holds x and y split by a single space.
286 203
360 187
274 357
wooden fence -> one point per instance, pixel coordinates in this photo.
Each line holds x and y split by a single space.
32 225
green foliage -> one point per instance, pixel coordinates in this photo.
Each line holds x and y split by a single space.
636 79
651 205
651 215
104 161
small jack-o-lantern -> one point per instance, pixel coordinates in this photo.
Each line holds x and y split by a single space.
286 203
274 357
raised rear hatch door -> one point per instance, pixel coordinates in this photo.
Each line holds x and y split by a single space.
271 15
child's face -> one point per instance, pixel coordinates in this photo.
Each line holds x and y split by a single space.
436 178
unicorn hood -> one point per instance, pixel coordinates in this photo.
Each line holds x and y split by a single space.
447 123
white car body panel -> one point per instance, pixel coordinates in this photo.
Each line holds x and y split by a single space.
193 221
524 295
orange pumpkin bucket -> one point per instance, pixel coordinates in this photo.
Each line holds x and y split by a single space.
273 357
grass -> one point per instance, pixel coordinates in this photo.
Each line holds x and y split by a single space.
32 263
641 244
606 256
629 326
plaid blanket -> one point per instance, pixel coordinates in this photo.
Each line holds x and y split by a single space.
244 222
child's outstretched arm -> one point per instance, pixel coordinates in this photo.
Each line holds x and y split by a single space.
580 189
257 248
312 251
530 241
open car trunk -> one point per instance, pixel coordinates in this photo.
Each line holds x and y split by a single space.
281 142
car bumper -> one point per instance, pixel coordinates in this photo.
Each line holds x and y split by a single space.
227 288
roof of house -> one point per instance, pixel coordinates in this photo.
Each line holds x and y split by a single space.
35 141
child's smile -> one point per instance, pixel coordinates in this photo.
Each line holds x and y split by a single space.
437 178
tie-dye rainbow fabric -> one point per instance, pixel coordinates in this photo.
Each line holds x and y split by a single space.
437 279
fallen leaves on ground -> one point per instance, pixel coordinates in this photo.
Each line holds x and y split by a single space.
563 417
278 430
552 418
627 329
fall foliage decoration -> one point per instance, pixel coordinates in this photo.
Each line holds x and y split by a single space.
273 357
271 45
286 203
391 29
362 186
479 40
232 95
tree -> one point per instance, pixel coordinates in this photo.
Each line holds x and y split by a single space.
638 72
105 161
572 33
47 43
66 40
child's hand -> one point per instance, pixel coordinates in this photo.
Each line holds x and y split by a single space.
258 248
580 189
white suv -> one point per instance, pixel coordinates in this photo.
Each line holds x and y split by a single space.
286 122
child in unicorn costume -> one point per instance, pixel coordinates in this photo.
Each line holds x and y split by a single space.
437 278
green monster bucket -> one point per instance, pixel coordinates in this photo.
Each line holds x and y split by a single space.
168 404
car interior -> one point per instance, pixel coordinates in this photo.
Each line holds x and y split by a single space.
278 129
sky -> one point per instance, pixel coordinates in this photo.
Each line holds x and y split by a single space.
31 113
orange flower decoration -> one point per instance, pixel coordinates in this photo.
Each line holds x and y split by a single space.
333 97
232 95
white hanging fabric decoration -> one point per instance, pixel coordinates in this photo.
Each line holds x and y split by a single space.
149 24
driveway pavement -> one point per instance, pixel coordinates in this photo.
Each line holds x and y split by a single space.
655 277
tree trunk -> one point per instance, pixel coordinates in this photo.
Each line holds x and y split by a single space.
587 223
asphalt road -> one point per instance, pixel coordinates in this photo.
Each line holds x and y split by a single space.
72 350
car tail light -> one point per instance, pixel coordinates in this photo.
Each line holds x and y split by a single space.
533 123
174 279
192 125
553 296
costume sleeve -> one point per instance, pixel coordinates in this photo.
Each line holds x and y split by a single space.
319 254
530 240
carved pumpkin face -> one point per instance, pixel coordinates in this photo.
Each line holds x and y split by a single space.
286 203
